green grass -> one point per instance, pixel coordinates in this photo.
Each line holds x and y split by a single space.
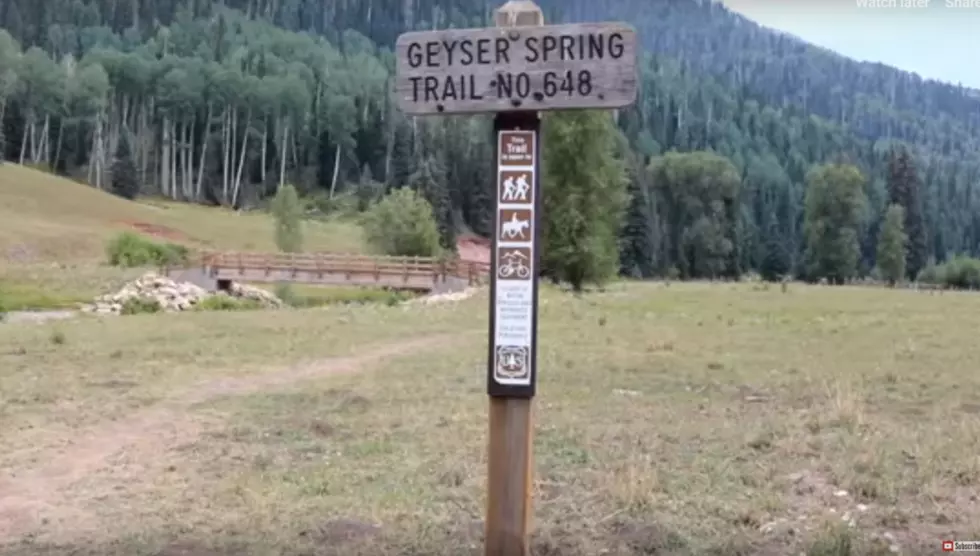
49 224
310 296
682 420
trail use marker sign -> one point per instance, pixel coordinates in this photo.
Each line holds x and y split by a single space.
514 292
515 70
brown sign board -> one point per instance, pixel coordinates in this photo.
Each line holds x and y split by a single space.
516 148
515 186
516 224
552 67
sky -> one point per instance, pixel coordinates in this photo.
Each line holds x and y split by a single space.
933 40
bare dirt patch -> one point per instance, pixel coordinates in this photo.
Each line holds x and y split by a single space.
473 249
94 463
156 230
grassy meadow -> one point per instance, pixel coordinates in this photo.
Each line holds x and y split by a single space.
682 419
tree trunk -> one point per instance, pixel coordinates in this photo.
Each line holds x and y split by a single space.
165 159
226 147
336 170
241 160
202 162
282 157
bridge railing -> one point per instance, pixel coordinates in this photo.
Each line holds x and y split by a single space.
336 263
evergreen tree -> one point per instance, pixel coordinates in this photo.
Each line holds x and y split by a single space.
3 145
124 178
834 204
403 163
368 190
776 261
904 190
636 244
892 242
584 196
430 181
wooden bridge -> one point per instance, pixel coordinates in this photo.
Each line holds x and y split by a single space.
423 274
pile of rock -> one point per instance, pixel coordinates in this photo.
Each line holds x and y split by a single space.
173 296
263 297
446 297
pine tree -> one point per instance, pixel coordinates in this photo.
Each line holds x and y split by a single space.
904 190
636 252
892 242
775 262
430 181
124 177
403 163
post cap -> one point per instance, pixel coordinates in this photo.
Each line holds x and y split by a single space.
519 13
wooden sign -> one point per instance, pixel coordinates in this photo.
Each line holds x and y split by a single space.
555 67
514 281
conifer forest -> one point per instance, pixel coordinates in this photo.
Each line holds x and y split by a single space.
747 150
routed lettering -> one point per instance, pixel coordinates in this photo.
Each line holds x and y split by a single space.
539 68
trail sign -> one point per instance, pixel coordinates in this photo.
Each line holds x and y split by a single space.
555 67
517 69
514 286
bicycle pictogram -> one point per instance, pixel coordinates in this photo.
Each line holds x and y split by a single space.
514 264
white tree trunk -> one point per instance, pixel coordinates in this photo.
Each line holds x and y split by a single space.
336 170
165 159
282 156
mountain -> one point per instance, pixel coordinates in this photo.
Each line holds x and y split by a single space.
225 100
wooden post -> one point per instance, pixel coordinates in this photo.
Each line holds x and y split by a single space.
510 470
514 70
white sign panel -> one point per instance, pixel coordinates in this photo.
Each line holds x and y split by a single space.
514 309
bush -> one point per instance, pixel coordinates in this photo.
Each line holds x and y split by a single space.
960 272
402 224
130 250
287 211
227 303
320 296
139 306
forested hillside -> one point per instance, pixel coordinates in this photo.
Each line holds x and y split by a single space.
221 102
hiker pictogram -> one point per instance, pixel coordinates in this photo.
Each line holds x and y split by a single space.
516 187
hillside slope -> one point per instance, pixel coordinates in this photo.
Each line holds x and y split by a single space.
776 68
48 218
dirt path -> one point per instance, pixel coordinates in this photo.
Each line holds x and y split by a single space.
109 455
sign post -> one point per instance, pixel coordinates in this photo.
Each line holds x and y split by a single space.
515 70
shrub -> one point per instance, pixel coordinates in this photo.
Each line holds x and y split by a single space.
130 250
287 211
227 303
320 297
402 223
960 272
140 305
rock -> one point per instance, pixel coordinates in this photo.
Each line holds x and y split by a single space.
173 296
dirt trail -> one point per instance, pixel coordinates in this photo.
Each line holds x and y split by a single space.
106 455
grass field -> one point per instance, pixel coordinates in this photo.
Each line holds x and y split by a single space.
53 233
683 419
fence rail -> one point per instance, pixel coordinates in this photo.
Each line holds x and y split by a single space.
419 273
